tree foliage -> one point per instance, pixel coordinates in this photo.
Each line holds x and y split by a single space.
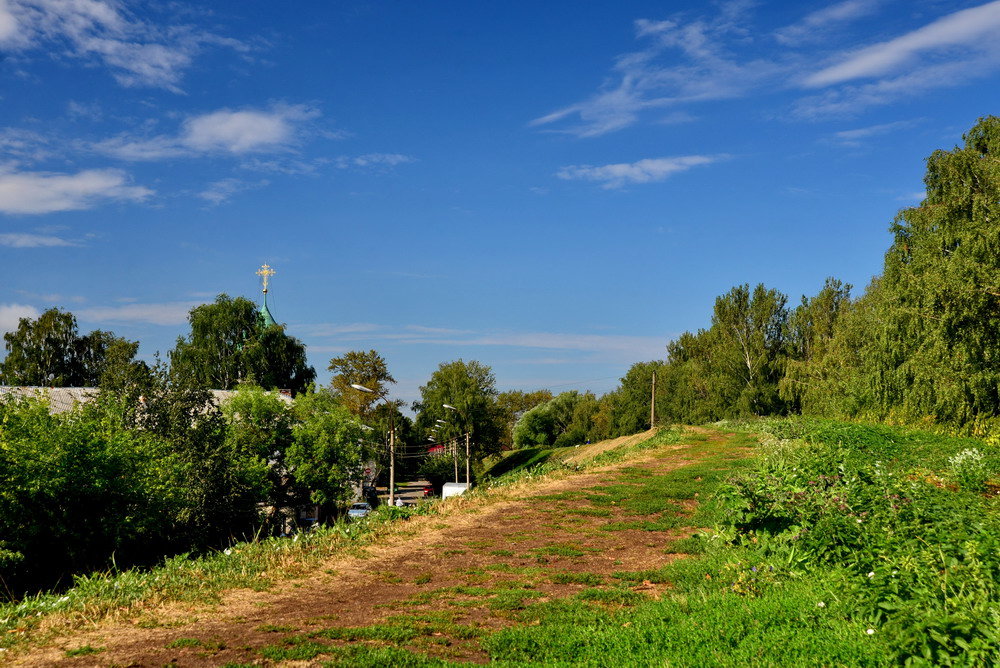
471 388
358 367
511 405
49 352
566 419
230 344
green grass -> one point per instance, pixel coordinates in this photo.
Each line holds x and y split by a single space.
559 551
84 650
577 578
183 642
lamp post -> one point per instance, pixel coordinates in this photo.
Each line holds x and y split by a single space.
468 478
392 440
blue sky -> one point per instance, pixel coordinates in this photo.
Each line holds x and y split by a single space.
554 189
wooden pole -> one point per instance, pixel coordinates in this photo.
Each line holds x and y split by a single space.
652 404
468 479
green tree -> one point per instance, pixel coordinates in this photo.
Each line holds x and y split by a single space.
811 330
633 398
511 405
566 419
49 351
357 367
259 431
748 356
230 344
471 388
327 452
934 352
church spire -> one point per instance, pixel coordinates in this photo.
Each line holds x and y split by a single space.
265 272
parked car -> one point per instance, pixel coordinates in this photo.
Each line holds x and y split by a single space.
359 510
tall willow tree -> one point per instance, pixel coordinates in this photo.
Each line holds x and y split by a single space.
934 350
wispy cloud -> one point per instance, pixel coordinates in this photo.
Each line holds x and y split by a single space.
137 52
164 313
699 68
22 240
641 171
221 191
25 146
49 192
11 314
815 26
225 131
334 329
616 347
976 29
377 160
950 51
854 138
688 61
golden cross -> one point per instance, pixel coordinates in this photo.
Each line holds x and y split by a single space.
266 273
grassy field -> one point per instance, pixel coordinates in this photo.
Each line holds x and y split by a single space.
771 542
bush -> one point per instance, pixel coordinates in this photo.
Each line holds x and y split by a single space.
919 562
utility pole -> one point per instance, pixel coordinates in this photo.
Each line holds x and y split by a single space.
392 461
652 404
468 480
454 455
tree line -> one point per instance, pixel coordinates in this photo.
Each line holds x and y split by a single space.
921 344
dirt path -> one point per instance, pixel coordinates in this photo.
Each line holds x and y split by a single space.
446 578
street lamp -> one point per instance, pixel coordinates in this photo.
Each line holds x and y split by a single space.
392 440
468 478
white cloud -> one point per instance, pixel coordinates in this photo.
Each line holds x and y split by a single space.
8 24
976 29
853 138
616 347
11 314
849 100
220 191
22 240
691 61
225 131
686 62
815 25
641 171
48 192
137 52
24 145
380 160
167 313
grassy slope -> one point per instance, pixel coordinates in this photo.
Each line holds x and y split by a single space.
850 545
254 565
